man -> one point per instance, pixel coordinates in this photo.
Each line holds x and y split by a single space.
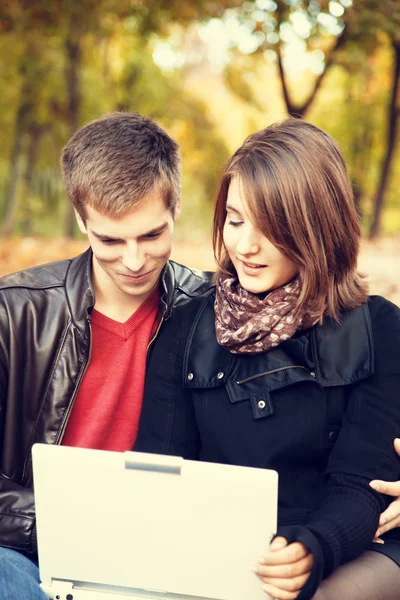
74 335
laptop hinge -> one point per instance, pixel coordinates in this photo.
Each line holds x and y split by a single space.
65 590
142 461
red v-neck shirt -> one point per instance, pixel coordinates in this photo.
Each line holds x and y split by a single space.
106 411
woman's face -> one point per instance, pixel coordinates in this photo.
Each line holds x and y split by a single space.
260 266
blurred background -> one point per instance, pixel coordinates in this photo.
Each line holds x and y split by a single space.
211 72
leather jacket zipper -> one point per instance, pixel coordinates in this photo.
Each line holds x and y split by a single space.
273 371
67 413
155 335
82 372
28 460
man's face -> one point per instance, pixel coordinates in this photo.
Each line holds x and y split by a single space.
130 252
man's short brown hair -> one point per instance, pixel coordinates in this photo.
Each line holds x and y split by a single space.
294 180
114 162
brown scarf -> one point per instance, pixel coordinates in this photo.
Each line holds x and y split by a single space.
246 324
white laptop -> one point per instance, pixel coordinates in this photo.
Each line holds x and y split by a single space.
116 525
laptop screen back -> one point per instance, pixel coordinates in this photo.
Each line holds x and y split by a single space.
151 526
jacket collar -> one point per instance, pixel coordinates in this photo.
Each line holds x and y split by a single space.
343 352
167 290
331 354
179 283
174 278
79 291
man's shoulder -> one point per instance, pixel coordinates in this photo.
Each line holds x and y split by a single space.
191 281
39 277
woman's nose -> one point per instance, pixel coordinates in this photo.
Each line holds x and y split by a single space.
247 244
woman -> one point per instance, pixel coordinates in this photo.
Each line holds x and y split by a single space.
290 366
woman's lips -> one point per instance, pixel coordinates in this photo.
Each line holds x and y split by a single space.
251 268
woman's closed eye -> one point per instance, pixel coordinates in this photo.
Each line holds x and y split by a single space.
235 223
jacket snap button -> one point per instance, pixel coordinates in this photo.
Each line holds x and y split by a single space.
312 373
333 436
261 404
190 376
220 375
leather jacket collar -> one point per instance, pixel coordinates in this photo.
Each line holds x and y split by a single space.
81 297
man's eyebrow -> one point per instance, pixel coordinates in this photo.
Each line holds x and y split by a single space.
158 229
104 236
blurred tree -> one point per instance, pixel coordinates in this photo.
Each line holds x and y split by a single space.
77 60
10 195
70 61
31 76
391 137
333 33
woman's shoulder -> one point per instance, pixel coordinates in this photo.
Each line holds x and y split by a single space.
380 309
385 327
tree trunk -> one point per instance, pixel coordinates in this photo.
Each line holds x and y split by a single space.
35 133
73 56
394 110
299 110
10 197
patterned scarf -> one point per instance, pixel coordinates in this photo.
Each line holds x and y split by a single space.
245 324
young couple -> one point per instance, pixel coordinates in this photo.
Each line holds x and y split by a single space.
283 363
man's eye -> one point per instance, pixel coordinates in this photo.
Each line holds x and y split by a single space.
109 242
153 235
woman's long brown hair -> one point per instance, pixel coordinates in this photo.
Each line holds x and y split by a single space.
294 180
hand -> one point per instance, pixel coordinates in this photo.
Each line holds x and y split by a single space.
285 569
390 518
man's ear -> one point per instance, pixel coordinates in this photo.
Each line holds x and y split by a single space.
178 207
80 222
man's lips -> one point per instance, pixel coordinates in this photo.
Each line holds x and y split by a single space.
135 277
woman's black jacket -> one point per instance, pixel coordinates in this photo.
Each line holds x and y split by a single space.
322 409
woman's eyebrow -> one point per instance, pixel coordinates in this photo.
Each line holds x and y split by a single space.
233 209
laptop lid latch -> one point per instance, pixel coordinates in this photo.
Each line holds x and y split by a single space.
142 461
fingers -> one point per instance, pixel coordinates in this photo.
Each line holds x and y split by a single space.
391 514
289 554
378 540
392 488
387 526
278 543
287 585
396 445
286 571
279 594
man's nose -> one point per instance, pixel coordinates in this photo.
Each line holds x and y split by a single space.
133 258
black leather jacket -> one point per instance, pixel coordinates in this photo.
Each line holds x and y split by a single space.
44 352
